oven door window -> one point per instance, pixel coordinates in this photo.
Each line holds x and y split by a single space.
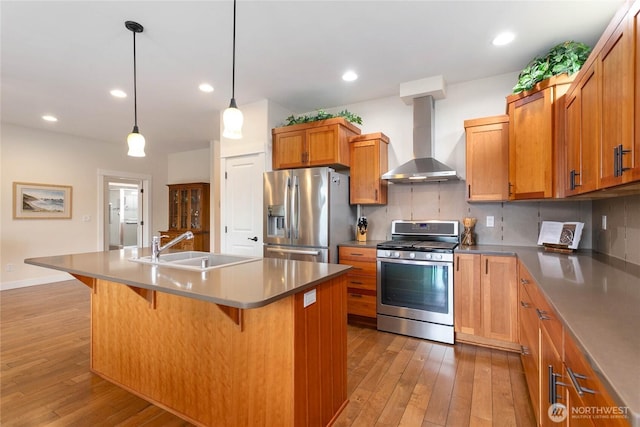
416 286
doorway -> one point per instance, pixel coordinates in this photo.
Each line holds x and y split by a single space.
123 214
124 210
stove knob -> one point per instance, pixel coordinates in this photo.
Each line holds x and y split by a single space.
412 255
438 256
396 254
387 254
427 256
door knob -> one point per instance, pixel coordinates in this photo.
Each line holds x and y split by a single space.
254 238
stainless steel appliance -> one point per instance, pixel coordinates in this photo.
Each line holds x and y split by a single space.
306 213
415 279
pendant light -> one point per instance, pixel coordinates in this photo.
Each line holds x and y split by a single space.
232 116
135 140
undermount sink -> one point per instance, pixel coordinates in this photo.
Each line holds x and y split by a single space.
194 260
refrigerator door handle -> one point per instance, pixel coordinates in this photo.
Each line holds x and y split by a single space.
294 251
287 225
295 208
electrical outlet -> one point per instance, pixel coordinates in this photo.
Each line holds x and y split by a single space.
604 222
490 221
309 298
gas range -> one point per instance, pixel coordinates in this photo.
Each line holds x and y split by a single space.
421 240
414 279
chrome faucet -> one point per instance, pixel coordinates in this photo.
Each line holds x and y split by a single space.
156 249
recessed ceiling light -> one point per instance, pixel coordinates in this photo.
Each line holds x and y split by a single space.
206 87
349 76
49 118
117 93
503 39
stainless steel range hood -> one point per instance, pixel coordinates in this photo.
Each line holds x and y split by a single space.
423 168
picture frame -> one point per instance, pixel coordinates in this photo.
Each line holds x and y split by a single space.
41 201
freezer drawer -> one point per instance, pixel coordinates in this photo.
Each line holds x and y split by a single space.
297 253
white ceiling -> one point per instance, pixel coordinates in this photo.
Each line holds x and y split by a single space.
63 57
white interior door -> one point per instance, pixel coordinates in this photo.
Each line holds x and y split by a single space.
242 222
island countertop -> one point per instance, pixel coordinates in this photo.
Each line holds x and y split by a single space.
597 298
248 285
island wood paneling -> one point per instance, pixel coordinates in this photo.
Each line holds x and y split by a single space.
189 357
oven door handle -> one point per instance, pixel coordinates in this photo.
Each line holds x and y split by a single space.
413 261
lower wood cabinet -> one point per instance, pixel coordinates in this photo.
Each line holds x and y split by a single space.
361 280
485 299
556 370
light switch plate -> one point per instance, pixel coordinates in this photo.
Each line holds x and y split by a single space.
309 298
604 222
490 221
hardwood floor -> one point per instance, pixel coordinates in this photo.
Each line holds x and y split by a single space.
392 380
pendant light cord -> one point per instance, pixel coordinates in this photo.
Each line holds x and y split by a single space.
135 89
233 70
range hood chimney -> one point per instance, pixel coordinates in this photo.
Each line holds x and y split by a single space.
424 167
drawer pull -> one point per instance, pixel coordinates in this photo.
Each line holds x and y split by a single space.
542 315
525 304
356 254
355 283
574 379
355 295
524 281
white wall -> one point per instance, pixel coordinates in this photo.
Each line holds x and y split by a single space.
29 155
189 166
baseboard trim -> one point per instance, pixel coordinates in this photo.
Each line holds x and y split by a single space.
5 286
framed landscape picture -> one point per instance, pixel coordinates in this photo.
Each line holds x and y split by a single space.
41 201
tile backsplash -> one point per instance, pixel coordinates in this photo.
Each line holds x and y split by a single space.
621 239
515 223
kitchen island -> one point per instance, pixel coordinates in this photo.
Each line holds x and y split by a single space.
257 343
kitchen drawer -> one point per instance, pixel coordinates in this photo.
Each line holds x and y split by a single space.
361 304
360 268
356 254
547 315
594 394
361 282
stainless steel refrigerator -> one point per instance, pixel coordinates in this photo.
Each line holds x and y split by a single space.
306 214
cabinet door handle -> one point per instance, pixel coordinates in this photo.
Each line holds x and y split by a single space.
510 186
542 315
525 304
574 380
616 161
376 195
553 385
469 191
524 350
486 266
572 178
524 281
622 152
458 263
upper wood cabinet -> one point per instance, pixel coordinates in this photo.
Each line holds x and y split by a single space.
369 160
536 128
582 134
487 150
320 143
616 80
189 211
485 300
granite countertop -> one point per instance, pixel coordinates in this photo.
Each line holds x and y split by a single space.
598 299
247 285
